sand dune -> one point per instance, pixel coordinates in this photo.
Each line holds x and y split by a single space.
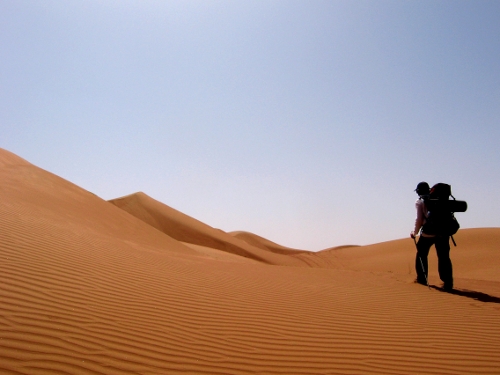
475 258
263 243
187 229
88 288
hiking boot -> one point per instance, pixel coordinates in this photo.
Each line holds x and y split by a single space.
448 286
419 281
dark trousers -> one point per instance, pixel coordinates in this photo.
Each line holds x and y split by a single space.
445 268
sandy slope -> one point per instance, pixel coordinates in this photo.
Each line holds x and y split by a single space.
263 243
87 288
187 229
475 259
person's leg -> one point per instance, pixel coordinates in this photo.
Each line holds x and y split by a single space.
445 267
423 246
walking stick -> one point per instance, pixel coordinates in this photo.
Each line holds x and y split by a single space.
453 240
422 264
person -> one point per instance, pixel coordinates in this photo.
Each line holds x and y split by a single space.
425 242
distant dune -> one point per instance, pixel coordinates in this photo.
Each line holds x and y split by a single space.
187 229
474 258
133 286
265 244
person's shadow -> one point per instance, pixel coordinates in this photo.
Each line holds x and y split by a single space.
478 296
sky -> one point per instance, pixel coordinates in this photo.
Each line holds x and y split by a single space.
309 123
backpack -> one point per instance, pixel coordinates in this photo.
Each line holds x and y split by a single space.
441 219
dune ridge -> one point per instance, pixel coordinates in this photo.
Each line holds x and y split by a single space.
187 229
88 288
8 159
264 243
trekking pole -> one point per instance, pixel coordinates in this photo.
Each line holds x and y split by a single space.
422 264
453 240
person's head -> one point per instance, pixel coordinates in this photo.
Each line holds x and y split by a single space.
422 188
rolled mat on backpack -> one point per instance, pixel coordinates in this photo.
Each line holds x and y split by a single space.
449 205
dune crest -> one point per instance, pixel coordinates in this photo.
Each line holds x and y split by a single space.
7 158
187 229
264 243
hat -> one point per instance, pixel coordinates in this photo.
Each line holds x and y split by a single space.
422 188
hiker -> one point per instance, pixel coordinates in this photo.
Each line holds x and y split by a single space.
426 240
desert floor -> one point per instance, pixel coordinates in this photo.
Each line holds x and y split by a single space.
132 286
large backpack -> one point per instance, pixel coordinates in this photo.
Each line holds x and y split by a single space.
441 209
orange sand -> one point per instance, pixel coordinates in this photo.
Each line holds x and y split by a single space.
133 286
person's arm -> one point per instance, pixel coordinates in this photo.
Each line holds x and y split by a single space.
420 220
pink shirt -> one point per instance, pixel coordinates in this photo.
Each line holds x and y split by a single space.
421 217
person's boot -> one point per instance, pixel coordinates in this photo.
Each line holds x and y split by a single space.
420 281
448 286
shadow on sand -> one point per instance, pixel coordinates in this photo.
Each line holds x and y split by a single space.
478 296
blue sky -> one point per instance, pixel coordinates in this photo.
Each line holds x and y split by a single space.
306 122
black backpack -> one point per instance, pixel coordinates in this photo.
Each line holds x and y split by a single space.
441 209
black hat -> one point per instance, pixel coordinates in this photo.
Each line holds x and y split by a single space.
422 188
